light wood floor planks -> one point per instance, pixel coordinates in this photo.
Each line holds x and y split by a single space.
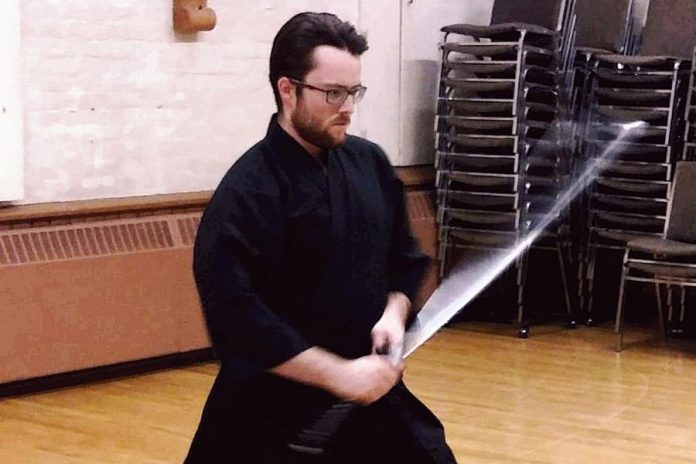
559 397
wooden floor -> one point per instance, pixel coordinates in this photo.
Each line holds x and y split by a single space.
559 397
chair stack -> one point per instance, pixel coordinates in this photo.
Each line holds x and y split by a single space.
689 153
603 28
628 200
501 157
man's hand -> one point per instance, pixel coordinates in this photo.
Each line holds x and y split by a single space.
362 380
367 379
388 332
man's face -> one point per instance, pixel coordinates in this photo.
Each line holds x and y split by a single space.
318 122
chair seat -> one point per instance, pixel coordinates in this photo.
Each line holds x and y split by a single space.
508 182
637 60
493 49
481 67
632 113
480 85
618 131
492 164
660 79
482 217
482 238
483 140
615 237
663 270
474 30
628 204
478 201
636 95
636 187
592 51
481 123
663 247
613 168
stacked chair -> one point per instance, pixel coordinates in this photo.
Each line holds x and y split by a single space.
602 28
669 260
501 155
689 153
629 199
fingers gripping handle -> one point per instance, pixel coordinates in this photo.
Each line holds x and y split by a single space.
315 438
394 354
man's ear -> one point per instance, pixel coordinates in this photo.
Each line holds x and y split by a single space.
288 93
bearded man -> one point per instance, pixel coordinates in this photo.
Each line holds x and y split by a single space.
306 269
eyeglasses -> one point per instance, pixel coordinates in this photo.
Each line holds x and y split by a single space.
336 96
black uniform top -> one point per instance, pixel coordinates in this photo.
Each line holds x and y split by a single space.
293 252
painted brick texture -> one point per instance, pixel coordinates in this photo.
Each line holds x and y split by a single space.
117 104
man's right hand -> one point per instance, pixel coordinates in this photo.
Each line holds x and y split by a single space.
367 379
363 380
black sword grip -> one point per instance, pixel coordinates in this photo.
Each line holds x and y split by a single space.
315 438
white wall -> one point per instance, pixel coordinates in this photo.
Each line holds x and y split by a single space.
115 104
402 70
11 136
420 68
379 113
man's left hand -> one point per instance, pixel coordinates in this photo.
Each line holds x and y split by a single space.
388 332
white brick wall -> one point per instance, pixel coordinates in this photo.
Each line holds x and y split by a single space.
116 104
11 138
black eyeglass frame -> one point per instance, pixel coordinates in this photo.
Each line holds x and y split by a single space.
340 95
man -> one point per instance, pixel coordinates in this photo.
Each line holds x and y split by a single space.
306 267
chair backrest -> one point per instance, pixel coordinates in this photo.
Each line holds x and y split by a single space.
603 24
547 13
681 219
669 29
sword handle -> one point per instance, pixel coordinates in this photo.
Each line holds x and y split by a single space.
315 438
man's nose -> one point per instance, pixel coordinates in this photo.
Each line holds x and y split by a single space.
348 105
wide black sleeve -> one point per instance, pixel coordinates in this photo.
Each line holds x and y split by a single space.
406 263
238 246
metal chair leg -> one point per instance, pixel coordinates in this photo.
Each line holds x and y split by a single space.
660 312
580 279
566 290
443 259
670 306
618 324
522 323
682 306
443 252
590 284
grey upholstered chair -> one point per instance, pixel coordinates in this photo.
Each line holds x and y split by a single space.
603 25
669 260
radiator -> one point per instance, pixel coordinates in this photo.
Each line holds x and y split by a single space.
90 294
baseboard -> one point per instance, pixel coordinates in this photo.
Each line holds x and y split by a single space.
103 373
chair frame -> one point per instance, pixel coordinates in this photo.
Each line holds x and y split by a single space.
657 279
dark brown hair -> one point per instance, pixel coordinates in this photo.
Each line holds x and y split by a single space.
293 46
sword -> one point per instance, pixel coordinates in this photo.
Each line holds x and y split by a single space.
460 287
442 306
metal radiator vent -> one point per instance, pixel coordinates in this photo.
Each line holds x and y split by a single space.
87 240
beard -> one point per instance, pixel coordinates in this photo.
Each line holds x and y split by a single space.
313 131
